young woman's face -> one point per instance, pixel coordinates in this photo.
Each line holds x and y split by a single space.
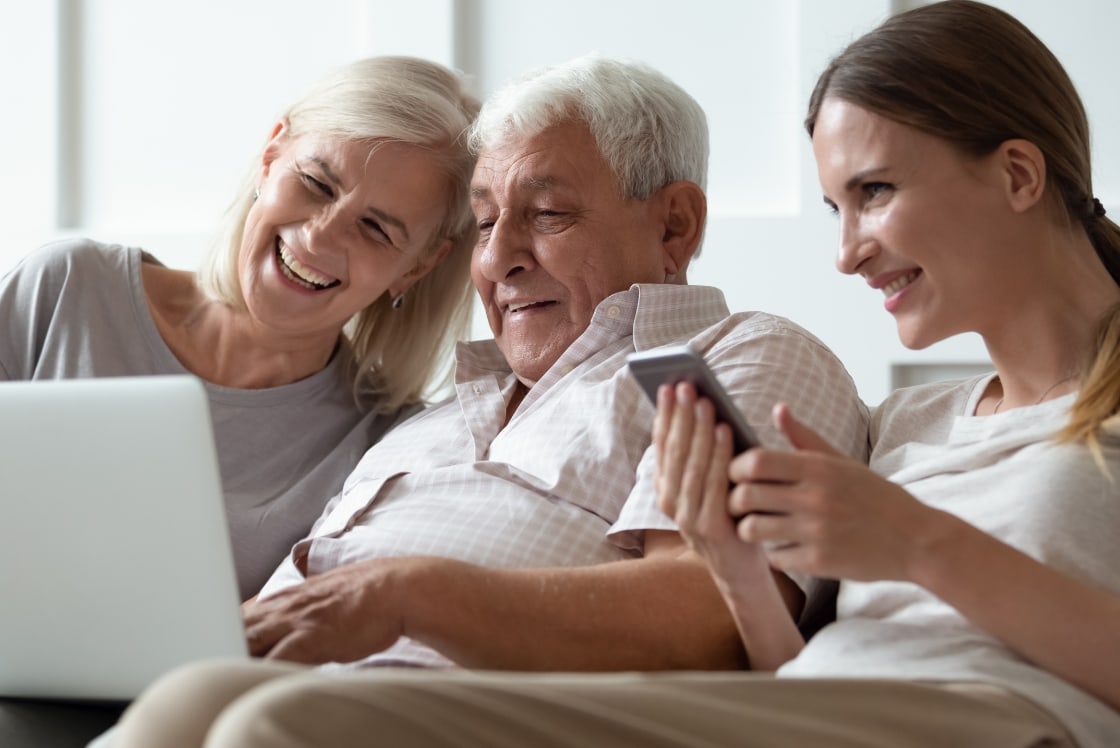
337 223
919 221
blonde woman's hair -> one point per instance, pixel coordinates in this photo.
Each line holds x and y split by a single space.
401 356
975 76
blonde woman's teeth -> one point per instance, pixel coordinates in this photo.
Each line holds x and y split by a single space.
297 271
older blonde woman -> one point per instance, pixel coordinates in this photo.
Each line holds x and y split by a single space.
323 315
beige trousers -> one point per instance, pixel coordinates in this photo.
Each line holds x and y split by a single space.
262 704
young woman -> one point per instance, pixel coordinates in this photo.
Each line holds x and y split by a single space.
322 316
977 554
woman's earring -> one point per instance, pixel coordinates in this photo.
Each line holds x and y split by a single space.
398 301
256 194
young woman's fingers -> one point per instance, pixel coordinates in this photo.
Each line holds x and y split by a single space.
700 437
800 436
676 414
714 511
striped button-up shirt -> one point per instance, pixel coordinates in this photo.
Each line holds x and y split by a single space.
569 480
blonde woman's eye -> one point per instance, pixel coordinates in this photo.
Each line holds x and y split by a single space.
321 187
375 228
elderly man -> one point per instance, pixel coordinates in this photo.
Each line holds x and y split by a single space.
515 526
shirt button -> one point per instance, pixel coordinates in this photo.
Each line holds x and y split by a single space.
613 312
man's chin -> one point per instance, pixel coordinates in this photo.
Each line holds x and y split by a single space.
530 361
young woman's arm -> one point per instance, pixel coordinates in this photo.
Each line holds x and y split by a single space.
827 515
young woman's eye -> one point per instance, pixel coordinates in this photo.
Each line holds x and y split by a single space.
873 190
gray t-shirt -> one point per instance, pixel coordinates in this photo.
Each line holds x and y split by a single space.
1005 475
76 308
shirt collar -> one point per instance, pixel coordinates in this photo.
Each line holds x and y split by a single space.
654 314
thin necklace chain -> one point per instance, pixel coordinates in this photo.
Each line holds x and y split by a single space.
1042 397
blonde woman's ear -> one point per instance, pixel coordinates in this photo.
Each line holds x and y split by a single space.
423 267
272 146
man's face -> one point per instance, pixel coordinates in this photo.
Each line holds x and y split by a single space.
556 238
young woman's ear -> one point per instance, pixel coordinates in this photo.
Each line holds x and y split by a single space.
684 213
1024 173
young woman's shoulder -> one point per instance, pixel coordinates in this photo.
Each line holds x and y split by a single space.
929 407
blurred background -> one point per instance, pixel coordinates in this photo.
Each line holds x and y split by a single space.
133 121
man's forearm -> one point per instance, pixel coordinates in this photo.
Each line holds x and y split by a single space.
645 614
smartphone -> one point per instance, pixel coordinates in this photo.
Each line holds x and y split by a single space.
679 363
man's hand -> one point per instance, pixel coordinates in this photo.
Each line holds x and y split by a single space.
341 616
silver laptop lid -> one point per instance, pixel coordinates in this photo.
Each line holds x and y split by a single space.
115 563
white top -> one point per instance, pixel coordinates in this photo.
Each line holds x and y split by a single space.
569 480
1003 474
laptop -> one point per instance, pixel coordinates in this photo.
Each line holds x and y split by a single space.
115 561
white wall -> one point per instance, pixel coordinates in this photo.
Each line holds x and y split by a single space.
132 121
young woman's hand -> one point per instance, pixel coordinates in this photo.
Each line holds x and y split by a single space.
818 512
693 456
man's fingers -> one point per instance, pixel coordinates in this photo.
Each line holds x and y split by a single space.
262 637
295 647
266 623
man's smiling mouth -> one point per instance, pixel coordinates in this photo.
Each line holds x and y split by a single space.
519 305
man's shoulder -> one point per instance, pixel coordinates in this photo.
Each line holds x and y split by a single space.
758 327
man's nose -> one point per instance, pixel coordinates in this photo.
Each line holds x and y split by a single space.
505 250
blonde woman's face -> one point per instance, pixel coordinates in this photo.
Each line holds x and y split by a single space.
337 223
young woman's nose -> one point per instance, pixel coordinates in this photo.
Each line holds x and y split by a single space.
855 246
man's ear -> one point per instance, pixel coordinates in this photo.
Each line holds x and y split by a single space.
684 210
422 268
1023 169
271 151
